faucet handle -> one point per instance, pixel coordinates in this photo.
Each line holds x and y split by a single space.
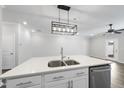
68 57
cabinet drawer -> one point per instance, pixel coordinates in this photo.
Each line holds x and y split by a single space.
56 76
65 75
24 82
57 84
79 72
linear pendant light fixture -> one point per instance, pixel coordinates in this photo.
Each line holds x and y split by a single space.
63 28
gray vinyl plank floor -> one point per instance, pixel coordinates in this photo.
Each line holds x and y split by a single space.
117 75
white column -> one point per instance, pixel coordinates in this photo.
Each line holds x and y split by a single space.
0 40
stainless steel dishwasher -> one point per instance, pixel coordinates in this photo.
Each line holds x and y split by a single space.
100 76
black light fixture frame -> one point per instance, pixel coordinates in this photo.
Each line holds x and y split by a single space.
64 7
63 25
54 23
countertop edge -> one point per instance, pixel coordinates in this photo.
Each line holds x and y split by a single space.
47 72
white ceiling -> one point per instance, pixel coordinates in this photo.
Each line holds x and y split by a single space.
91 19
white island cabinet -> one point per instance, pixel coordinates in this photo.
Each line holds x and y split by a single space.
73 78
25 82
77 78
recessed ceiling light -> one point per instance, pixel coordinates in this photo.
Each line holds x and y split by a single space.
24 22
33 31
91 34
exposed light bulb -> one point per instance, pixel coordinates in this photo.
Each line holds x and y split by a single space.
63 29
72 30
59 29
67 29
54 28
33 31
91 34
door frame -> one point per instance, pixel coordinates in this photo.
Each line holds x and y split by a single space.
16 40
116 50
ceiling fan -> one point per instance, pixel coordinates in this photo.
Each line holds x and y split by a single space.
117 31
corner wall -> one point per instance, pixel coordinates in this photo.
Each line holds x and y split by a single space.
24 44
0 40
97 46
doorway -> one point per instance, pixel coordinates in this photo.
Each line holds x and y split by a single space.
112 49
8 45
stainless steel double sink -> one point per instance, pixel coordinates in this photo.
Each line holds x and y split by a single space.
59 63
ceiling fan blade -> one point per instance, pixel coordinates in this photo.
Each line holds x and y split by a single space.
116 32
112 31
120 30
108 32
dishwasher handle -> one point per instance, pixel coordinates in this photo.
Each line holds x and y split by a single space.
100 70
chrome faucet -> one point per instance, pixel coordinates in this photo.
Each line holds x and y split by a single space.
61 52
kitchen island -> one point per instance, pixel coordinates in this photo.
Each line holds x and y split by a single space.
36 73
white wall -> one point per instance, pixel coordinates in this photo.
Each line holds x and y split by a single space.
49 44
44 43
0 40
121 48
24 44
97 46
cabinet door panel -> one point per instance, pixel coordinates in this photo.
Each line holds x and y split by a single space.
24 82
80 82
57 84
77 78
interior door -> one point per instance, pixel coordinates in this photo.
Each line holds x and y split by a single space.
8 45
112 49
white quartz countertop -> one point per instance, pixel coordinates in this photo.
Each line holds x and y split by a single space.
39 65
